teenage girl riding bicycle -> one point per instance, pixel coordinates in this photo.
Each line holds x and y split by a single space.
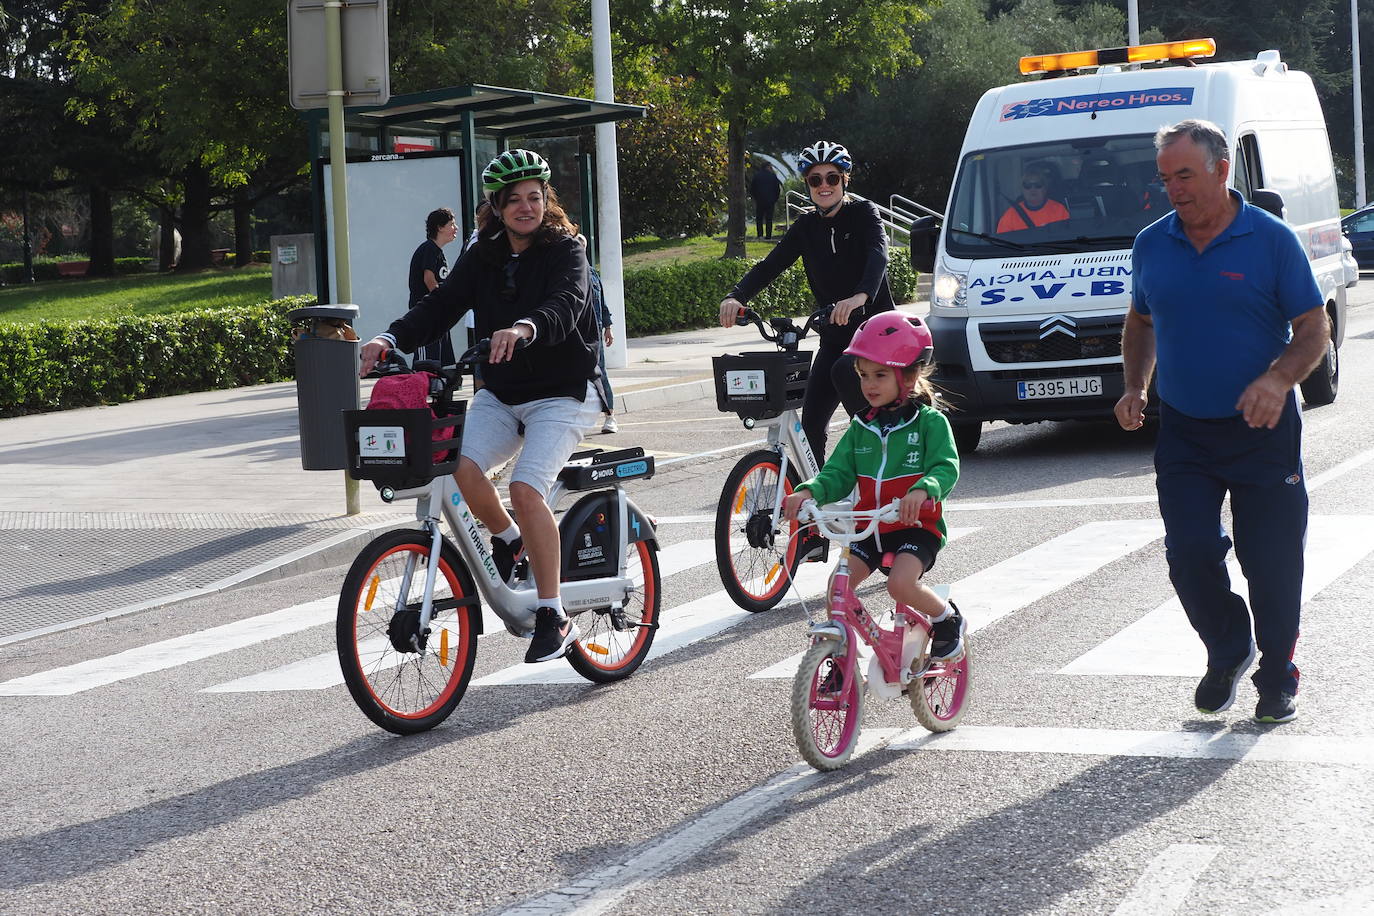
901 447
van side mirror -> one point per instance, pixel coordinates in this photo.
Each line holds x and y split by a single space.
925 233
1272 201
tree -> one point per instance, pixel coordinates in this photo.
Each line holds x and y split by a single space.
46 149
524 44
672 164
743 56
202 91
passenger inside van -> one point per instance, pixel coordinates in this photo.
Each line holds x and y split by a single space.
1034 208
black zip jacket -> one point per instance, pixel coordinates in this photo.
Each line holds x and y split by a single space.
546 284
842 255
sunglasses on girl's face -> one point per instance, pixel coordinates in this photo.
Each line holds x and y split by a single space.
832 179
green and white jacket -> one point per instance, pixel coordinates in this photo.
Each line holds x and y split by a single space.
888 456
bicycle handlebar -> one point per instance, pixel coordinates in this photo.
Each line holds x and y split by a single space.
826 519
785 332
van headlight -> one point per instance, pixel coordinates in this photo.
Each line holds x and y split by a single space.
949 290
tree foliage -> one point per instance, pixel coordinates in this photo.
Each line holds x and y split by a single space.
524 44
672 165
200 87
744 56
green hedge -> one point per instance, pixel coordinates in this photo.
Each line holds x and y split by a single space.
46 268
58 365
687 296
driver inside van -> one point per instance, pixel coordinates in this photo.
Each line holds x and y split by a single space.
1035 207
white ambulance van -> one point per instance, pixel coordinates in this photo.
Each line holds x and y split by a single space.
1032 260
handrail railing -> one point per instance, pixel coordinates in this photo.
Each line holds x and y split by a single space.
896 218
896 202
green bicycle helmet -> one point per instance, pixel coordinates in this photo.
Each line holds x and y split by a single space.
512 167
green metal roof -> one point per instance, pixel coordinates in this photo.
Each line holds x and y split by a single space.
496 111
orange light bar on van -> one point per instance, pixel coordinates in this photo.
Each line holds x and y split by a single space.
1135 54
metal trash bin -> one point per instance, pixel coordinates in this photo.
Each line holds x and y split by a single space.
326 349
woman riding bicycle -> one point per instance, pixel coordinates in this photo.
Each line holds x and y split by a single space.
843 248
901 447
525 281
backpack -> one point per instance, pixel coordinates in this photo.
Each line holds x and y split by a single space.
408 392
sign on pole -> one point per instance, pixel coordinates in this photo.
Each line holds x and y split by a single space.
366 62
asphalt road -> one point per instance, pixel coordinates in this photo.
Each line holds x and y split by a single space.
1081 779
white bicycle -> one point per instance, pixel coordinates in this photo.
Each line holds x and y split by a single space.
756 552
410 608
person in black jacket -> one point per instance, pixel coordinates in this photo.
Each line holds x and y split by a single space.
525 281
765 188
843 248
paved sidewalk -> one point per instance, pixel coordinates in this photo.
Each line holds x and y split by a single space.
108 510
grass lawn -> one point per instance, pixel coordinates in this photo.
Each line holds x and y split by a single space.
657 252
135 294
156 294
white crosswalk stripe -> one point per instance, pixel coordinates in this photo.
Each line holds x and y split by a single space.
992 593
1163 644
169 653
684 625
321 671
1160 643
1210 745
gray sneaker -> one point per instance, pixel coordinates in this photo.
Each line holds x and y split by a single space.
1275 706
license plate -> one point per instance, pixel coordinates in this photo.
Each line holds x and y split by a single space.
1081 387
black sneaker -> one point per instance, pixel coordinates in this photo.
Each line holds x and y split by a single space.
507 556
1275 706
947 636
1217 690
553 633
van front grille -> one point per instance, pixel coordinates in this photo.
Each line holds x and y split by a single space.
1041 341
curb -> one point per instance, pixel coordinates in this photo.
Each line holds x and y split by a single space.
677 393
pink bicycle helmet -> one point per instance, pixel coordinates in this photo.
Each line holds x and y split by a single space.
893 339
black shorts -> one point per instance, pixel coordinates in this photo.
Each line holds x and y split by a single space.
921 542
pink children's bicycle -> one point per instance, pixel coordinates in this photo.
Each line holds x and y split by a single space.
828 692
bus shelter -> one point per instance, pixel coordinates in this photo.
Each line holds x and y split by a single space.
426 150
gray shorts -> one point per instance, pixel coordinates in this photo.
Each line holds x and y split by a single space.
553 427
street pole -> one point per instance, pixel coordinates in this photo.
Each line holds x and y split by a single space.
343 281
1133 22
608 185
1359 106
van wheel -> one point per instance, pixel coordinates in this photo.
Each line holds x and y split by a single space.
967 435
1320 387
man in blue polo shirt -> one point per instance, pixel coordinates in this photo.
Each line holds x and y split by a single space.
1224 298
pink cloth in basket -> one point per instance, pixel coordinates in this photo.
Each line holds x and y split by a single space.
407 392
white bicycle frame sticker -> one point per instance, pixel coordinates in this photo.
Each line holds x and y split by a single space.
381 442
744 381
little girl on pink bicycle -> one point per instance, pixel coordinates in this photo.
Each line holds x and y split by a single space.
901 448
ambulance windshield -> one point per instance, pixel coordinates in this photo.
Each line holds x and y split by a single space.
1092 194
